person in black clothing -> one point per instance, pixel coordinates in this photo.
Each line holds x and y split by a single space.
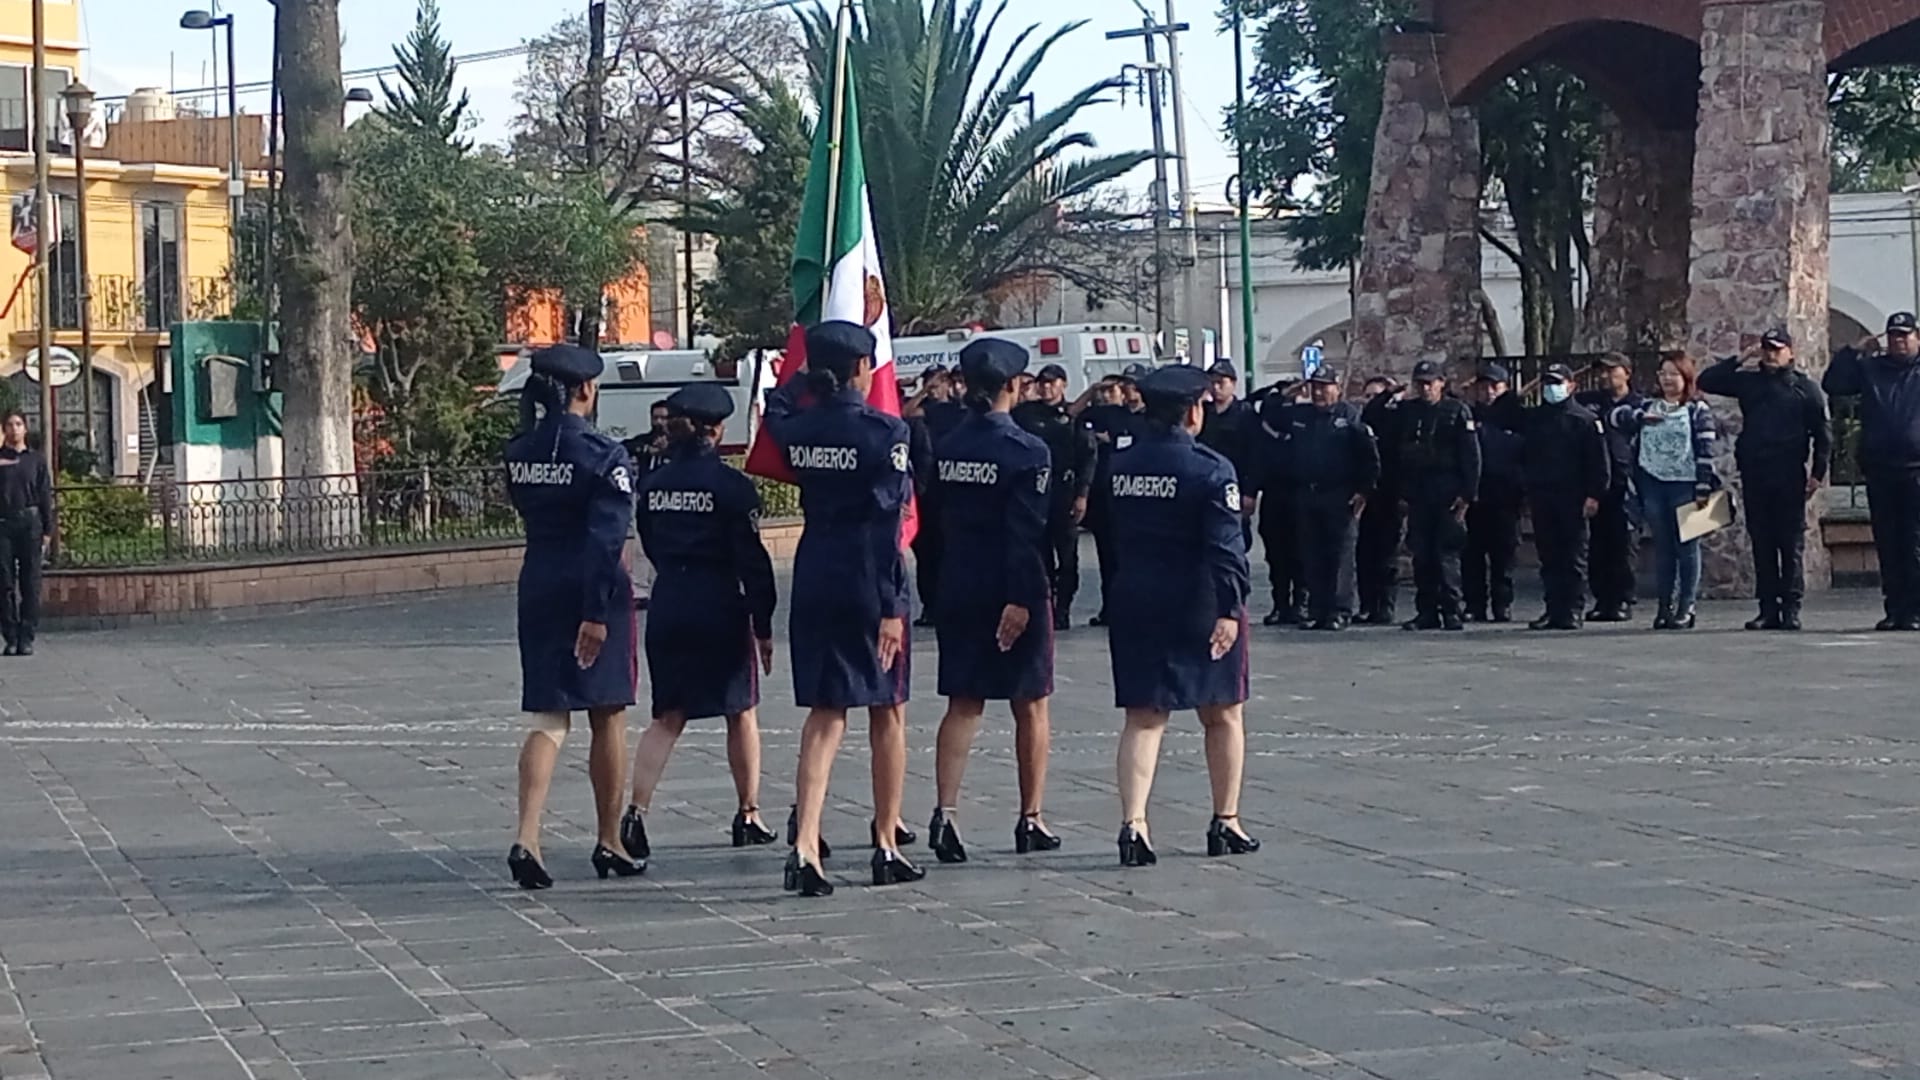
1382 523
1273 481
1493 522
1438 456
1112 420
1073 449
1336 466
1888 385
1228 428
937 408
1783 421
26 528
1567 475
1613 541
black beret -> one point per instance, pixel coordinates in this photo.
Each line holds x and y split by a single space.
1324 374
1495 373
991 360
1427 371
1224 369
1559 373
1053 373
707 403
1176 383
569 365
837 346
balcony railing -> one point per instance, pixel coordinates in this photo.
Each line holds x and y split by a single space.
124 304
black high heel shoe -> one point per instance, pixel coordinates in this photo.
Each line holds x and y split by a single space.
608 861
1224 841
633 835
1030 836
944 838
793 833
748 831
892 868
902 836
1133 848
527 871
803 878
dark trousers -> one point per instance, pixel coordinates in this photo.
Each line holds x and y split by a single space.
927 549
1436 536
1279 534
20 555
1776 498
1560 536
1611 561
1493 537
1324 525
1894 496
1063 555
1377 555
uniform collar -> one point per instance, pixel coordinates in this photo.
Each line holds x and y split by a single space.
850 395
691 449
1000 418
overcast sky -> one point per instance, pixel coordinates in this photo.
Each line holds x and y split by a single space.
136 43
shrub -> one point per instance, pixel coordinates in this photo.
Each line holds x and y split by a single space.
100 518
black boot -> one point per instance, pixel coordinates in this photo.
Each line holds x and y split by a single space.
1664 620
1768 619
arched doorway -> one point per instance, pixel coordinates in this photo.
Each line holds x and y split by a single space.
70 405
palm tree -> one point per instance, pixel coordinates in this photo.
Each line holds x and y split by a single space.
965 198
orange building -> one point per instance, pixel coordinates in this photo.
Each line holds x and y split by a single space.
541 318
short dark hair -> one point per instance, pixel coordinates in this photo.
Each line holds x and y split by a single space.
10 414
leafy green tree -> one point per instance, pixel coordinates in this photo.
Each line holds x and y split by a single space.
1876 144
424 103
965 198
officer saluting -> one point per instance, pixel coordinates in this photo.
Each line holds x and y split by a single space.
1071 448
1178 631
850 600
1439 465
710 626
1336 465
1888 385
574 488
1568 472
996 634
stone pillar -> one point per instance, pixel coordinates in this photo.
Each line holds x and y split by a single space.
1760 228
1642 210
1420 250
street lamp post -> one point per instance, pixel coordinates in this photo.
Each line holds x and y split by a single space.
79 102
236 186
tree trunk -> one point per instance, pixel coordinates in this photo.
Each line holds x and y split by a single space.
316 366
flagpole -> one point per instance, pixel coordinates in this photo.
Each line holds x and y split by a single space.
843 33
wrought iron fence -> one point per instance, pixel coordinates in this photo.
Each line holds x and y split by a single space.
113 526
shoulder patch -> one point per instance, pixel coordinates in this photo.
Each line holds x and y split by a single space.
621 480
1041 479
1233 496
1341 422
900 458
753 519
1472 424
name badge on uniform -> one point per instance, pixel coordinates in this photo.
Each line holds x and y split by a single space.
1473 425
1123 442
1341 422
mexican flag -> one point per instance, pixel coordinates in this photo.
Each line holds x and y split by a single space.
836 259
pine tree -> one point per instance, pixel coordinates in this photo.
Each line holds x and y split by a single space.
423 103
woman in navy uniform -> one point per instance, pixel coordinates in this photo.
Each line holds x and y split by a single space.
994 616
847 626
1178 635
710 625
574 488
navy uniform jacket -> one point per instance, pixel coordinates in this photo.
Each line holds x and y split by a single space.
1070 445
855 476
1566 453
1502 448
1230 432
1110 426
1438 452
1333 451
993 480
1889 392
942 417
699 521
1621 452
1182 566
1783 416
1382 415
574 488
1270 450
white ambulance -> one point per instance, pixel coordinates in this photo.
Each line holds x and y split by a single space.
633 380
1088 351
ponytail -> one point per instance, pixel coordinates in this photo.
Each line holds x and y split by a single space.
540 392
982 389
683 431
823 382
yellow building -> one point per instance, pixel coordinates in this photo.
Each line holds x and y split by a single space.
158 240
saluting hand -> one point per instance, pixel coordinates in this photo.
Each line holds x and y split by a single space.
893 633
586 646
1358 504
1870 345
1813 486
766 656
1013 623
1225 633
1460 509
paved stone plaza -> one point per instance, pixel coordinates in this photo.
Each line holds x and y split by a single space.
274 849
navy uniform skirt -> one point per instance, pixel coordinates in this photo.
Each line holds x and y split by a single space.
548 624
1157 667
701 656
972 665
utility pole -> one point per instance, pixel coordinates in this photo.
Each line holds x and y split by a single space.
45 230
1150 75
1188 225
686 203
1247 341
596 139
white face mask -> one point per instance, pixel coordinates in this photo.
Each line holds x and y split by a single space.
1555 393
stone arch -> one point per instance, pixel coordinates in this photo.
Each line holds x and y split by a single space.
1856 309
1319 323
1860 33
1644 68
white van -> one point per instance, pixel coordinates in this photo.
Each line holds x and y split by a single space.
1089 352
633 380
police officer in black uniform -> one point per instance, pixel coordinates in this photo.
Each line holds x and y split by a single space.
1178 636
996 638
26 528
1784 423
1567 474
710 626
1888 385
573 488
1273 479
1112 424
1439 465
1336 468
1383 522
1614 543
1229 429
1493 522
936 407
1071 449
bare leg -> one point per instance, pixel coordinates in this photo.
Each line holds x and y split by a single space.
1139 757
537 757
887 733
954 745
651 754
819 742
606 761
1032 741
743 758
1226 758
